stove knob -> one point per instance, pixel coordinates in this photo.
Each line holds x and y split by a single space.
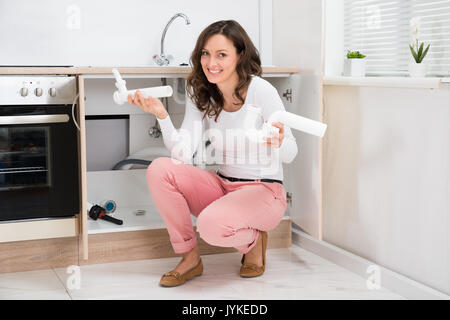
24 92
52 92
38 92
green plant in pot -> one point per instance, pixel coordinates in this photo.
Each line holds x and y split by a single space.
354 55
354 65
417 68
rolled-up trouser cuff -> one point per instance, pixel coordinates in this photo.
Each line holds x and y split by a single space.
186 246
246 248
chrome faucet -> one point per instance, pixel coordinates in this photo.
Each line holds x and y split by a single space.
162 59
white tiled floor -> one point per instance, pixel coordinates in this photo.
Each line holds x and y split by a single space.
292 273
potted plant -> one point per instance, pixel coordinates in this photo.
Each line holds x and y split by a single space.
417 68
354 65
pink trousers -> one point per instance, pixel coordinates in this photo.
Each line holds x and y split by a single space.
229 214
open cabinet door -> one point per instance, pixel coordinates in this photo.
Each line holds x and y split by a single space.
303 175
83 238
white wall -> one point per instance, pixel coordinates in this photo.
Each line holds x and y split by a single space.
334 37
297 35
111 32
387 178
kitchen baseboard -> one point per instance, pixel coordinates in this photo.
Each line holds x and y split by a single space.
155 244
18 256
390 280
42 254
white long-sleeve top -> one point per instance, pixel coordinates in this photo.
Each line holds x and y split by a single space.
236 155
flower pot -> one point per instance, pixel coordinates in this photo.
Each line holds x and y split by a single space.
417 70
354 67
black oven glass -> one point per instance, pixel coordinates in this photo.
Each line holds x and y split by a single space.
24 157
38 165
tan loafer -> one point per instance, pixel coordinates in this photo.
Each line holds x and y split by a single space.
174 278
250 270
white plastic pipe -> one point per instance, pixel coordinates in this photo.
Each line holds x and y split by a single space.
121 95
289 119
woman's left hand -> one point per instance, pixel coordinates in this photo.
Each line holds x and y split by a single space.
277 137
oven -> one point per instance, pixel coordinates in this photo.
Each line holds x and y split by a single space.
38 147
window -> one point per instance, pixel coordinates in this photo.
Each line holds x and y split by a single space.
380 29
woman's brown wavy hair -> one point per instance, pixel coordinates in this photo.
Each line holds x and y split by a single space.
207 96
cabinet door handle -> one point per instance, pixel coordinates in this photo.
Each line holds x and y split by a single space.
45 118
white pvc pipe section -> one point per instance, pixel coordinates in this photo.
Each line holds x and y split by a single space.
121 95
289 119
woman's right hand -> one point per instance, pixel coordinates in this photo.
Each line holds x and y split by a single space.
150 105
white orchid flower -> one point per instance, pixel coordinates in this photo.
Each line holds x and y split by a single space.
414 26
415 21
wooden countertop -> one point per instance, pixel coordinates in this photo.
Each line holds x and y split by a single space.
123 70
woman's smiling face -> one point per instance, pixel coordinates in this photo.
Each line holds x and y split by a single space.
219 59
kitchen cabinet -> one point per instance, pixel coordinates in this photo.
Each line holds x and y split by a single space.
135 242
386 174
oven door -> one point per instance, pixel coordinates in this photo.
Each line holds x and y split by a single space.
38 162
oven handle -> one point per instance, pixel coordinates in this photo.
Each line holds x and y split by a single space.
45 118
